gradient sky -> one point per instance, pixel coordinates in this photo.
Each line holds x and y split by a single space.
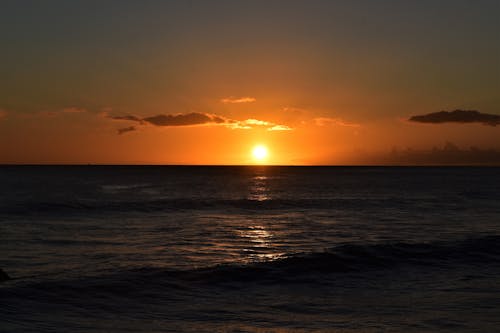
202 82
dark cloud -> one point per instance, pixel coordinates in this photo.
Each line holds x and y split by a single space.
198 118
458 116
127 117
194 118
126 129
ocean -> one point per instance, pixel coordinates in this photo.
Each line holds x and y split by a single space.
249 249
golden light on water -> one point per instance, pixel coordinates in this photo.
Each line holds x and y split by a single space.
260 153
258 190
260 244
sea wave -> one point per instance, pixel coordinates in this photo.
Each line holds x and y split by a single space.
179 204
314 267
355 258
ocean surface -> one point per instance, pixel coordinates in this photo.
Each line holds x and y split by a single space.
249 249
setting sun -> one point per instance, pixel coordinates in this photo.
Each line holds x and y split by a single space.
260 153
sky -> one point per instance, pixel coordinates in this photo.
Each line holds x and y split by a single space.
204 82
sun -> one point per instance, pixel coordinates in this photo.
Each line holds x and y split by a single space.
259 153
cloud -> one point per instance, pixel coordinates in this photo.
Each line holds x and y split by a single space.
198 118
457 116
187 119
449 154
324 121
236 100
255 123
127 117
125 130
3 113
193 118
279 128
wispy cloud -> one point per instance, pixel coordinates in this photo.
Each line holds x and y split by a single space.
458 116
279 128
325 121
126 117
236 100
125 130
255 123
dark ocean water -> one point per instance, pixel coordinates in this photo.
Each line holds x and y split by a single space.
249 249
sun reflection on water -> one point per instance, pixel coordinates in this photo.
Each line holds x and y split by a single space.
261 246
257 234
258 189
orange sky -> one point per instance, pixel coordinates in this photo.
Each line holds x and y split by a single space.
317 82
303 138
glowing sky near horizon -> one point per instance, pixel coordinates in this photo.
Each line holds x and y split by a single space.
202 82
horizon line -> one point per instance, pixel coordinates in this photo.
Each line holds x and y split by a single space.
250 165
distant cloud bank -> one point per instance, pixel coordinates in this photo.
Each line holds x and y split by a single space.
449 154
458 116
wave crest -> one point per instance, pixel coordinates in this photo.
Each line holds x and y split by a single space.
303 267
